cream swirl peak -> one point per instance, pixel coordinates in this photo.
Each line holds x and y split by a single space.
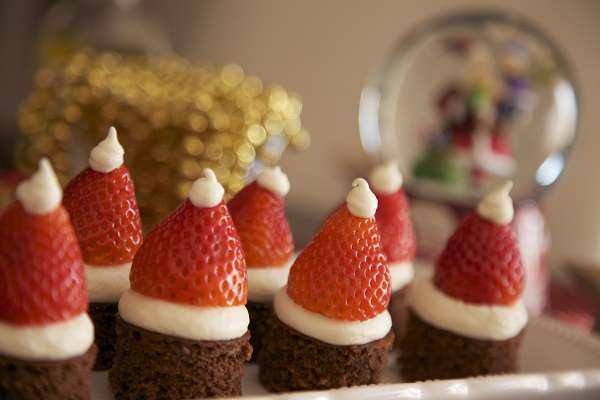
275 180
41 193
360 200
108 154
206 192
497 206
386 178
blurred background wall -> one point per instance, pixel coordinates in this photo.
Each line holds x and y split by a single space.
325 50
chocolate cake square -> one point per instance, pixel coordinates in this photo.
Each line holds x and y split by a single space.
154 366
428 352
291 361
68 379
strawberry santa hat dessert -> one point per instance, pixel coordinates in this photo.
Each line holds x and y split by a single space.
46 337
102 205
397 236
259 217
469 318
331 327
183 326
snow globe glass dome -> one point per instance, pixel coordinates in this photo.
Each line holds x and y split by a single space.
469 100
464 103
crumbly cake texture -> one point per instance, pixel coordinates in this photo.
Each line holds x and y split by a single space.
68 379
427 352
153 366
260 316
290 361
103 316
399 312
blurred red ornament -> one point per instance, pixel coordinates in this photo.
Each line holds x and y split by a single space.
572 304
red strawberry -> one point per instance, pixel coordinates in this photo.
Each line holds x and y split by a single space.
194 256
105 215
41 271
342 273
259 217
395 227
481 263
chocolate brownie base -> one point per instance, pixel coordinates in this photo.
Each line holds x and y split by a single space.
427 352
152 366
290 361
103 315
399 313
49 380
260 315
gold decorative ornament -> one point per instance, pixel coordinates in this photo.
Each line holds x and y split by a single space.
173 118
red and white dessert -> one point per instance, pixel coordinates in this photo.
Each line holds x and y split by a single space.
333 311
187 297
103 208
44 327
258 212
397 236
471 311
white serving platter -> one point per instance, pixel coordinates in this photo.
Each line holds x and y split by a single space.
557 362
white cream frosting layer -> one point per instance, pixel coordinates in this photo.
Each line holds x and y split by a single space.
206 192
41 193
107 155
273 179
472 320
265 282
329 330
497 206
361 201
386 178
402 274
106 283
54 341
182 320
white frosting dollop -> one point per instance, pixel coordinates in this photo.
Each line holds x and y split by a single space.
54 341
402 274
106 283
497 206
108 154
182 320
329 330
206 192
477 321
386 178
41 193
265 282
275 180
361 201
